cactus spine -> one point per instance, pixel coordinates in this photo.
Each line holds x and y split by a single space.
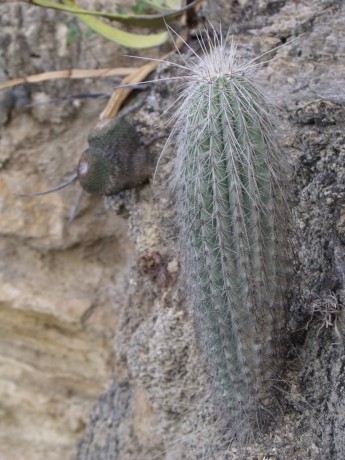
229 177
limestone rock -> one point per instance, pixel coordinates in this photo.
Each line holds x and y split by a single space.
60 286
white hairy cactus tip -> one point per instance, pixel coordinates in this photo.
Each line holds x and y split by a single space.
230 181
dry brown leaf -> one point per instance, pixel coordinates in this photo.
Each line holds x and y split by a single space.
70 73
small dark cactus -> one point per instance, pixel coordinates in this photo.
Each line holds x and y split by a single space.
115 160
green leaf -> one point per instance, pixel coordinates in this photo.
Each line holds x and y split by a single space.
73 33
149 20
140 7
164 5
119 36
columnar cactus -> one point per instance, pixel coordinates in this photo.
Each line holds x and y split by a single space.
229 178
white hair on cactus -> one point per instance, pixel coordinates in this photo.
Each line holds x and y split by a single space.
230 182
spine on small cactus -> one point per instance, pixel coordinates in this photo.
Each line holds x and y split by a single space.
229 177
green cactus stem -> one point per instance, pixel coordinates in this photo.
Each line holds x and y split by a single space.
230 180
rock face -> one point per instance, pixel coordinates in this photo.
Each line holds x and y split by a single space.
60 286
129 334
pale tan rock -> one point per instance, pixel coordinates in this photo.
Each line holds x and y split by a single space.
60 286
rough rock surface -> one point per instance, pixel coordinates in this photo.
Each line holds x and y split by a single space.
60 285
156 405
